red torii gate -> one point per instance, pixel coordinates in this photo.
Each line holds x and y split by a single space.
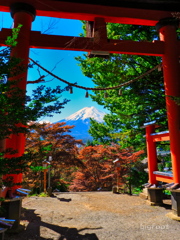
24 13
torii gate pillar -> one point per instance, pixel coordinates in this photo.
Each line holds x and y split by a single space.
171 68
23 14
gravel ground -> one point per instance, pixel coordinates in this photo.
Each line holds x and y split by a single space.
93 216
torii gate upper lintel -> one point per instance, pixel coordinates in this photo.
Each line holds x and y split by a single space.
122 11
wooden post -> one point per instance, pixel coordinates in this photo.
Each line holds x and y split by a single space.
45 179
23 14
98 31
117 178
151 153
171 68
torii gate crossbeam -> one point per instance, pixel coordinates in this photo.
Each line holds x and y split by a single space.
38 40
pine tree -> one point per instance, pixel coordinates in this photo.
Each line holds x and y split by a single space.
141 101
17 109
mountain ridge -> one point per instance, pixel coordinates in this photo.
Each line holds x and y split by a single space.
87 112
81 121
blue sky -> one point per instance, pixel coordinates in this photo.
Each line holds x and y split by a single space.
67 67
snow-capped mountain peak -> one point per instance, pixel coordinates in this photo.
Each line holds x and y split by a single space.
85 113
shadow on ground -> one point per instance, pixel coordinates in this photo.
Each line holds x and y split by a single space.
64 199
167 204
32 231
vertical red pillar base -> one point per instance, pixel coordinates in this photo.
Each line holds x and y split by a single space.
17 180
155 196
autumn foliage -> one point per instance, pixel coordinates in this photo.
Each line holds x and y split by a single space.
89 168
100 171
54 140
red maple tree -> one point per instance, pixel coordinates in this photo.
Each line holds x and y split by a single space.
53 140
99 171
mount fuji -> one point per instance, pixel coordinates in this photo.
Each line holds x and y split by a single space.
81 121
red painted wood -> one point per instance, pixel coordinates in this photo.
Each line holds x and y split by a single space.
87 44
151 154
171 69
88 12
161 137
17 142
165 179
100 31
38 40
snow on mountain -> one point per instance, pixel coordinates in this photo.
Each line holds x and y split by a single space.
81 121
85 113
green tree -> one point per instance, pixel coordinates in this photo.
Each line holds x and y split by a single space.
43 102
16 106
17 109
141 101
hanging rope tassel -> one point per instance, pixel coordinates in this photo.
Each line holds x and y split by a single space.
120 92
105 95
87 94
70 89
